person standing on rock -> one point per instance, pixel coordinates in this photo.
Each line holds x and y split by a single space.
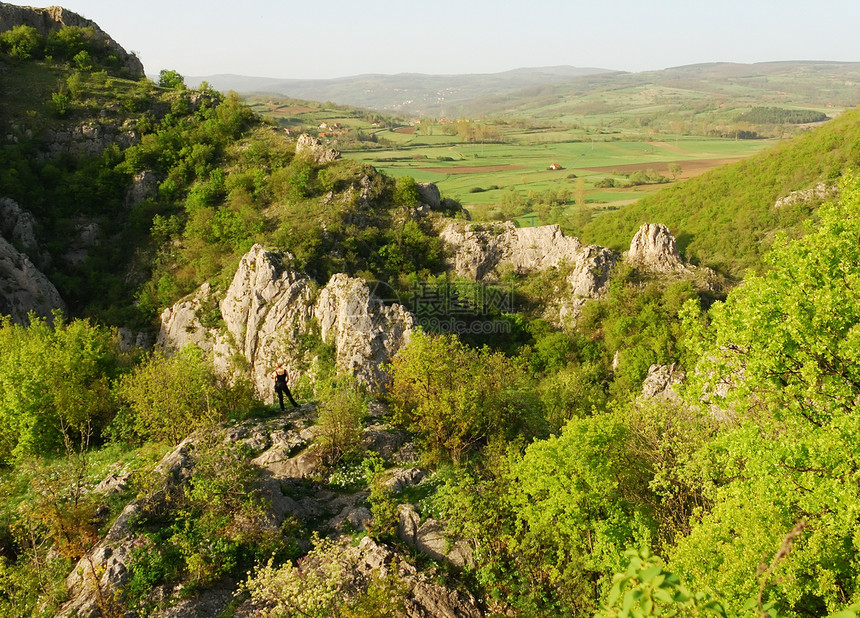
279 375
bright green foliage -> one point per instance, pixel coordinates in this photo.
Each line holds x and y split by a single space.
457 399
645 588
171 79
786 346
341 410
577 498
406 192
170 396
50 378
21 42
638 324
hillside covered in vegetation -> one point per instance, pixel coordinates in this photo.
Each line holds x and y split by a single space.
490 421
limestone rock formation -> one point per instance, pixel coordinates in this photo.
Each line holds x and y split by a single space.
23 287
52 18
479 251
819 193
653 248
315 149
269 307
17 225
265 309
90 138
660 382
287 494
431 538
366 332
144 185
181 326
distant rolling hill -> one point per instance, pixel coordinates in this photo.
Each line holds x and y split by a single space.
409 93
565 92
691 87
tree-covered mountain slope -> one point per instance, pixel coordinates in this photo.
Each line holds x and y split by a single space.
727 218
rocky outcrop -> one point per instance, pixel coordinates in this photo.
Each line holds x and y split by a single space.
266 309
479 252
52 18
91 138
269 307
818 193
365 332
315 150
17 225
144 185
288 492
481 249
661 381
23 287
653 248
431 538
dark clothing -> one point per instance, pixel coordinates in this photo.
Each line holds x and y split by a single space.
281 388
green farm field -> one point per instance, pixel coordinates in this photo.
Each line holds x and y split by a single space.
477 175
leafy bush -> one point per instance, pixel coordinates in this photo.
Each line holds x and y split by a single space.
22 42
170 396
51 377
342 408
457 399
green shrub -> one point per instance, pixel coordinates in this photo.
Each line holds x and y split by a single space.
52 377
170 396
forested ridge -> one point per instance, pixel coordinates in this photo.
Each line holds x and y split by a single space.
559 486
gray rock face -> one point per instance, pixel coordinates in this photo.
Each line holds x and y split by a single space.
819 193
653 248
315 149
17 225
660 382
429 194
366 332
92 138
23 287
144 185
431 538
266 307
181 326
52 18
479 251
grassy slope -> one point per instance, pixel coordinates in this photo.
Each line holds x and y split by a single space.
726 218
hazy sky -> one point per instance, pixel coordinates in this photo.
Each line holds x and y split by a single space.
336 38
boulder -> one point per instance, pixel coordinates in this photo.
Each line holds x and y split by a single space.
660 382
429 194
431 538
